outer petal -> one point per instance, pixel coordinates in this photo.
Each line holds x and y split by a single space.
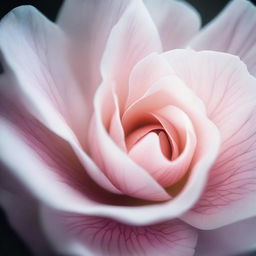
37 176
100 236
229 240
88 25
23 215
39 68
228 91
48 145
233 31
177 22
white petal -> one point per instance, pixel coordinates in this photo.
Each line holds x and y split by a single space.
40 69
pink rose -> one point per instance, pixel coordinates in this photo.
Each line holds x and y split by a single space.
124 131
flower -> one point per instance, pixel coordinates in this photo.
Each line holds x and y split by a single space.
125 131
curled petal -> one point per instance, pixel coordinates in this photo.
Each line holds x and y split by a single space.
127 176
148 153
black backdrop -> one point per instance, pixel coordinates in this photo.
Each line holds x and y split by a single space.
10 243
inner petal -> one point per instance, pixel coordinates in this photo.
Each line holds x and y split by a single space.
165 149
165 145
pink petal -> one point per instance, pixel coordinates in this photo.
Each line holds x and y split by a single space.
46 185
115 128
139 133
23 216
127 176
88 25
228 91
229 240
134 37
148 153
233 31
50 147
144 74
101 236
177 22
40 69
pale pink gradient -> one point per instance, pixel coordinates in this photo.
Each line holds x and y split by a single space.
116 142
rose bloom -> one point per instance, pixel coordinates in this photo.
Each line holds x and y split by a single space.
126 130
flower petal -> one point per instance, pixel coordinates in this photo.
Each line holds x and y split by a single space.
40 69
233 31
223 83
146 73
134 37
127 176
148 153
177 22
229 240
88 25
41 164
46 185
47 144
101 236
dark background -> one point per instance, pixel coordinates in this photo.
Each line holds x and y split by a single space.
10 243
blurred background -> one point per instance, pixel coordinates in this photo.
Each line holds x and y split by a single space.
10 243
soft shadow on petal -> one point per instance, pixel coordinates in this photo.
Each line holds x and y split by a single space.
39 69
229 240
223 83
233 31
102 236
177 22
